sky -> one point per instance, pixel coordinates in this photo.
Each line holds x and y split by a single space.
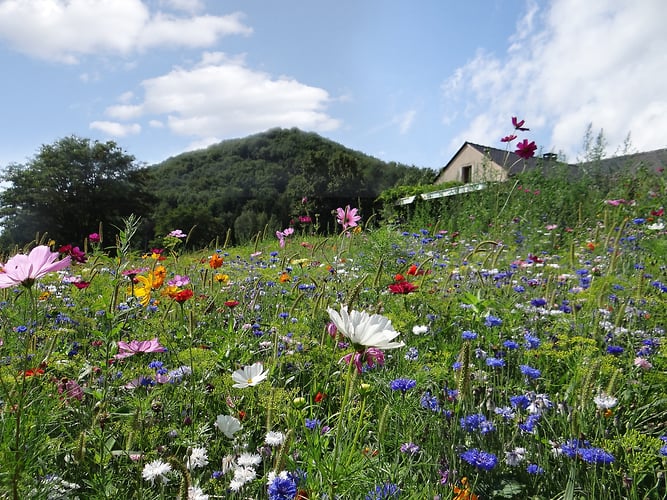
402 81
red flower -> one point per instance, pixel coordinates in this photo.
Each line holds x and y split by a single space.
399 277
232 303
526 149
416 271
658 213
402 287
508 138
183 295
319 397
518 124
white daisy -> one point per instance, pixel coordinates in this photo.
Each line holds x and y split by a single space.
364 329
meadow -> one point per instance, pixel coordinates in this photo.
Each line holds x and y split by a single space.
516 351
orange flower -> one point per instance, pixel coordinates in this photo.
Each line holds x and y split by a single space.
285 277
159 274
215 261
464 493
590 245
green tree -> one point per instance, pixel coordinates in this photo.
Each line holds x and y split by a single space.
68 189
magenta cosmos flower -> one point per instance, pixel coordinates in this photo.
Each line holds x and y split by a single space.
526 149
25 269
127 349
347 217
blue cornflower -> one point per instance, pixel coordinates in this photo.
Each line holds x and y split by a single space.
480 459
538 302
663 451
510 344
476 422
615 350
402 384
529 425
529 371
282 487
429 402
638 220
155 365
505 411
519 289
456 366
534 469
410 448
520 401
493 321
532 342
468 335
495 362
312 423
384 492
412 354
595 455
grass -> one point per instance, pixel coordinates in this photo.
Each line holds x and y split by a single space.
534 362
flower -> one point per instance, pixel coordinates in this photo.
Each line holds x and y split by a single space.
125 349
215 261
182 295
347 217
402 384
604 401
156 470
534 469
94 238
177 233
384 492
198 457
508 138
365 330
402 287
228 425
25 269
231 303
518 124
526 149
371 356
281 486
196 493
249 459
281 235
249 376
515 456
419 329
274 438
529 371
480 459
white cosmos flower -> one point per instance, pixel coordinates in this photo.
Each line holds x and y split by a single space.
365 329
249 375
228 425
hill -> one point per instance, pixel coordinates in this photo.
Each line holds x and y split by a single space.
268 180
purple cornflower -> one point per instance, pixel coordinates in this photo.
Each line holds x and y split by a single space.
480 459
410 448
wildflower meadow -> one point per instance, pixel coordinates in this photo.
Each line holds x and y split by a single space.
516 356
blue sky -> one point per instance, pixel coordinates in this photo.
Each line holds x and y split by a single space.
401 81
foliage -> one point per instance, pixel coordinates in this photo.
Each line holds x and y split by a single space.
69 189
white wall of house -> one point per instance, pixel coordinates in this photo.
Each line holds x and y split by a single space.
469 165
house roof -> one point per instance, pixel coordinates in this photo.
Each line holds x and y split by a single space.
514 164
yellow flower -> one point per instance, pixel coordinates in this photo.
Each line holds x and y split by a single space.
221 278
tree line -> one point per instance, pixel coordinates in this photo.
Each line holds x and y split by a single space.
229 191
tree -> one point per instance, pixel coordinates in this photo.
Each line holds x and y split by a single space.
68 189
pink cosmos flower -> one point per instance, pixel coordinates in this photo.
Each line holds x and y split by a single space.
281 235
177 233
125 349
371 356
526 149
508 138
25 269
518 124
347 217
615 203
94 238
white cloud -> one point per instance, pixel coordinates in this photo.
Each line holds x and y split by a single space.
405 121
575 63
116 129
65 30
221 97
184 5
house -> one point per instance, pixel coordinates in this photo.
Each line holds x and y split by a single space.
474 164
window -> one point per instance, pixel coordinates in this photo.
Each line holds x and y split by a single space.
466 174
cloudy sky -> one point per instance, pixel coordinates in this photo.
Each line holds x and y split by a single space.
402 81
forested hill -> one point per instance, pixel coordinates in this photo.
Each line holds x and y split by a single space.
262 180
